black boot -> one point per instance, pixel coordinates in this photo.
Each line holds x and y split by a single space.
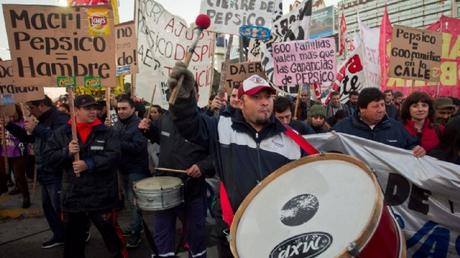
26 203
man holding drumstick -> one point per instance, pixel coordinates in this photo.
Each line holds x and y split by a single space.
248 145
180 154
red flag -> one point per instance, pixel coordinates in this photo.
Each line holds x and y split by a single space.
385 38
343 33
317 88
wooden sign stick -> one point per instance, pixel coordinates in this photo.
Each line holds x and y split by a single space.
73 121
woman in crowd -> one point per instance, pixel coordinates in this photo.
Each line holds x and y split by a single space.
153 148
449 146
417 114
14 150
155 112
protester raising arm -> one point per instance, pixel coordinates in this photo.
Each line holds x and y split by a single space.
191 123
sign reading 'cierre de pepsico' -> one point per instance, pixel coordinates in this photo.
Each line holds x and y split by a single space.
227 16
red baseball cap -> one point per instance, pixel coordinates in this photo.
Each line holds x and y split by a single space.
254 85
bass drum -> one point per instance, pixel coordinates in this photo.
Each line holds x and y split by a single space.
326 205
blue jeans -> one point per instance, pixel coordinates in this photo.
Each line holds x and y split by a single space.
51 202
128 181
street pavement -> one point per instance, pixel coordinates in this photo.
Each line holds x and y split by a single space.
22 232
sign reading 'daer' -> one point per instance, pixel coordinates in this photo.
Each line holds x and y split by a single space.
304 62
415 54
237 73
50 41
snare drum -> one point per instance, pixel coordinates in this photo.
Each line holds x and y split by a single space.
159 193
327 205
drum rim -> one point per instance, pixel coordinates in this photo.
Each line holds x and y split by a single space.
366 232
181 183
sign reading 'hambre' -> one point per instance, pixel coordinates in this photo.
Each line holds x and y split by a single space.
415 54
48 41
304 62
8 86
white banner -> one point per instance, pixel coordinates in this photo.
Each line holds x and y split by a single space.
229 16
423 192
291 26
163 40
370 44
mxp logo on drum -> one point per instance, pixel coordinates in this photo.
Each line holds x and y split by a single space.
306 245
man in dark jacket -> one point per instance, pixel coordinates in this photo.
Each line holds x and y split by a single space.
248 146
283 111
38 132
133 162
178 153
373 123
89 185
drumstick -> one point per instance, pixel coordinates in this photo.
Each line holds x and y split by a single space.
172 170
202 22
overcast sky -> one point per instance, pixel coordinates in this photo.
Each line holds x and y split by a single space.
187 9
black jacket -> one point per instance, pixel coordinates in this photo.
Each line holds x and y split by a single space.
134 154
49 122
96 189
178 153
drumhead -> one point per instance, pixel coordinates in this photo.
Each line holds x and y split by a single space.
158 182
312 207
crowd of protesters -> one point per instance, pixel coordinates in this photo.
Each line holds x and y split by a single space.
83 181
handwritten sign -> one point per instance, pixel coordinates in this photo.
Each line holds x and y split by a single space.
12 92
415 54
51 41
304 62
237 73
126 44
292 26
163 40
229 16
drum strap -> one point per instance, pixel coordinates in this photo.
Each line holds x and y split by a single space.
304 144
227 211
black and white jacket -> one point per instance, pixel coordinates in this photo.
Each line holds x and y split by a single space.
244 156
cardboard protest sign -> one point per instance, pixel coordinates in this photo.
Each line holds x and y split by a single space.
415 54
449 81
229 16
163 40
237 73
126 44
304 62
8 87
7 110
49 41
